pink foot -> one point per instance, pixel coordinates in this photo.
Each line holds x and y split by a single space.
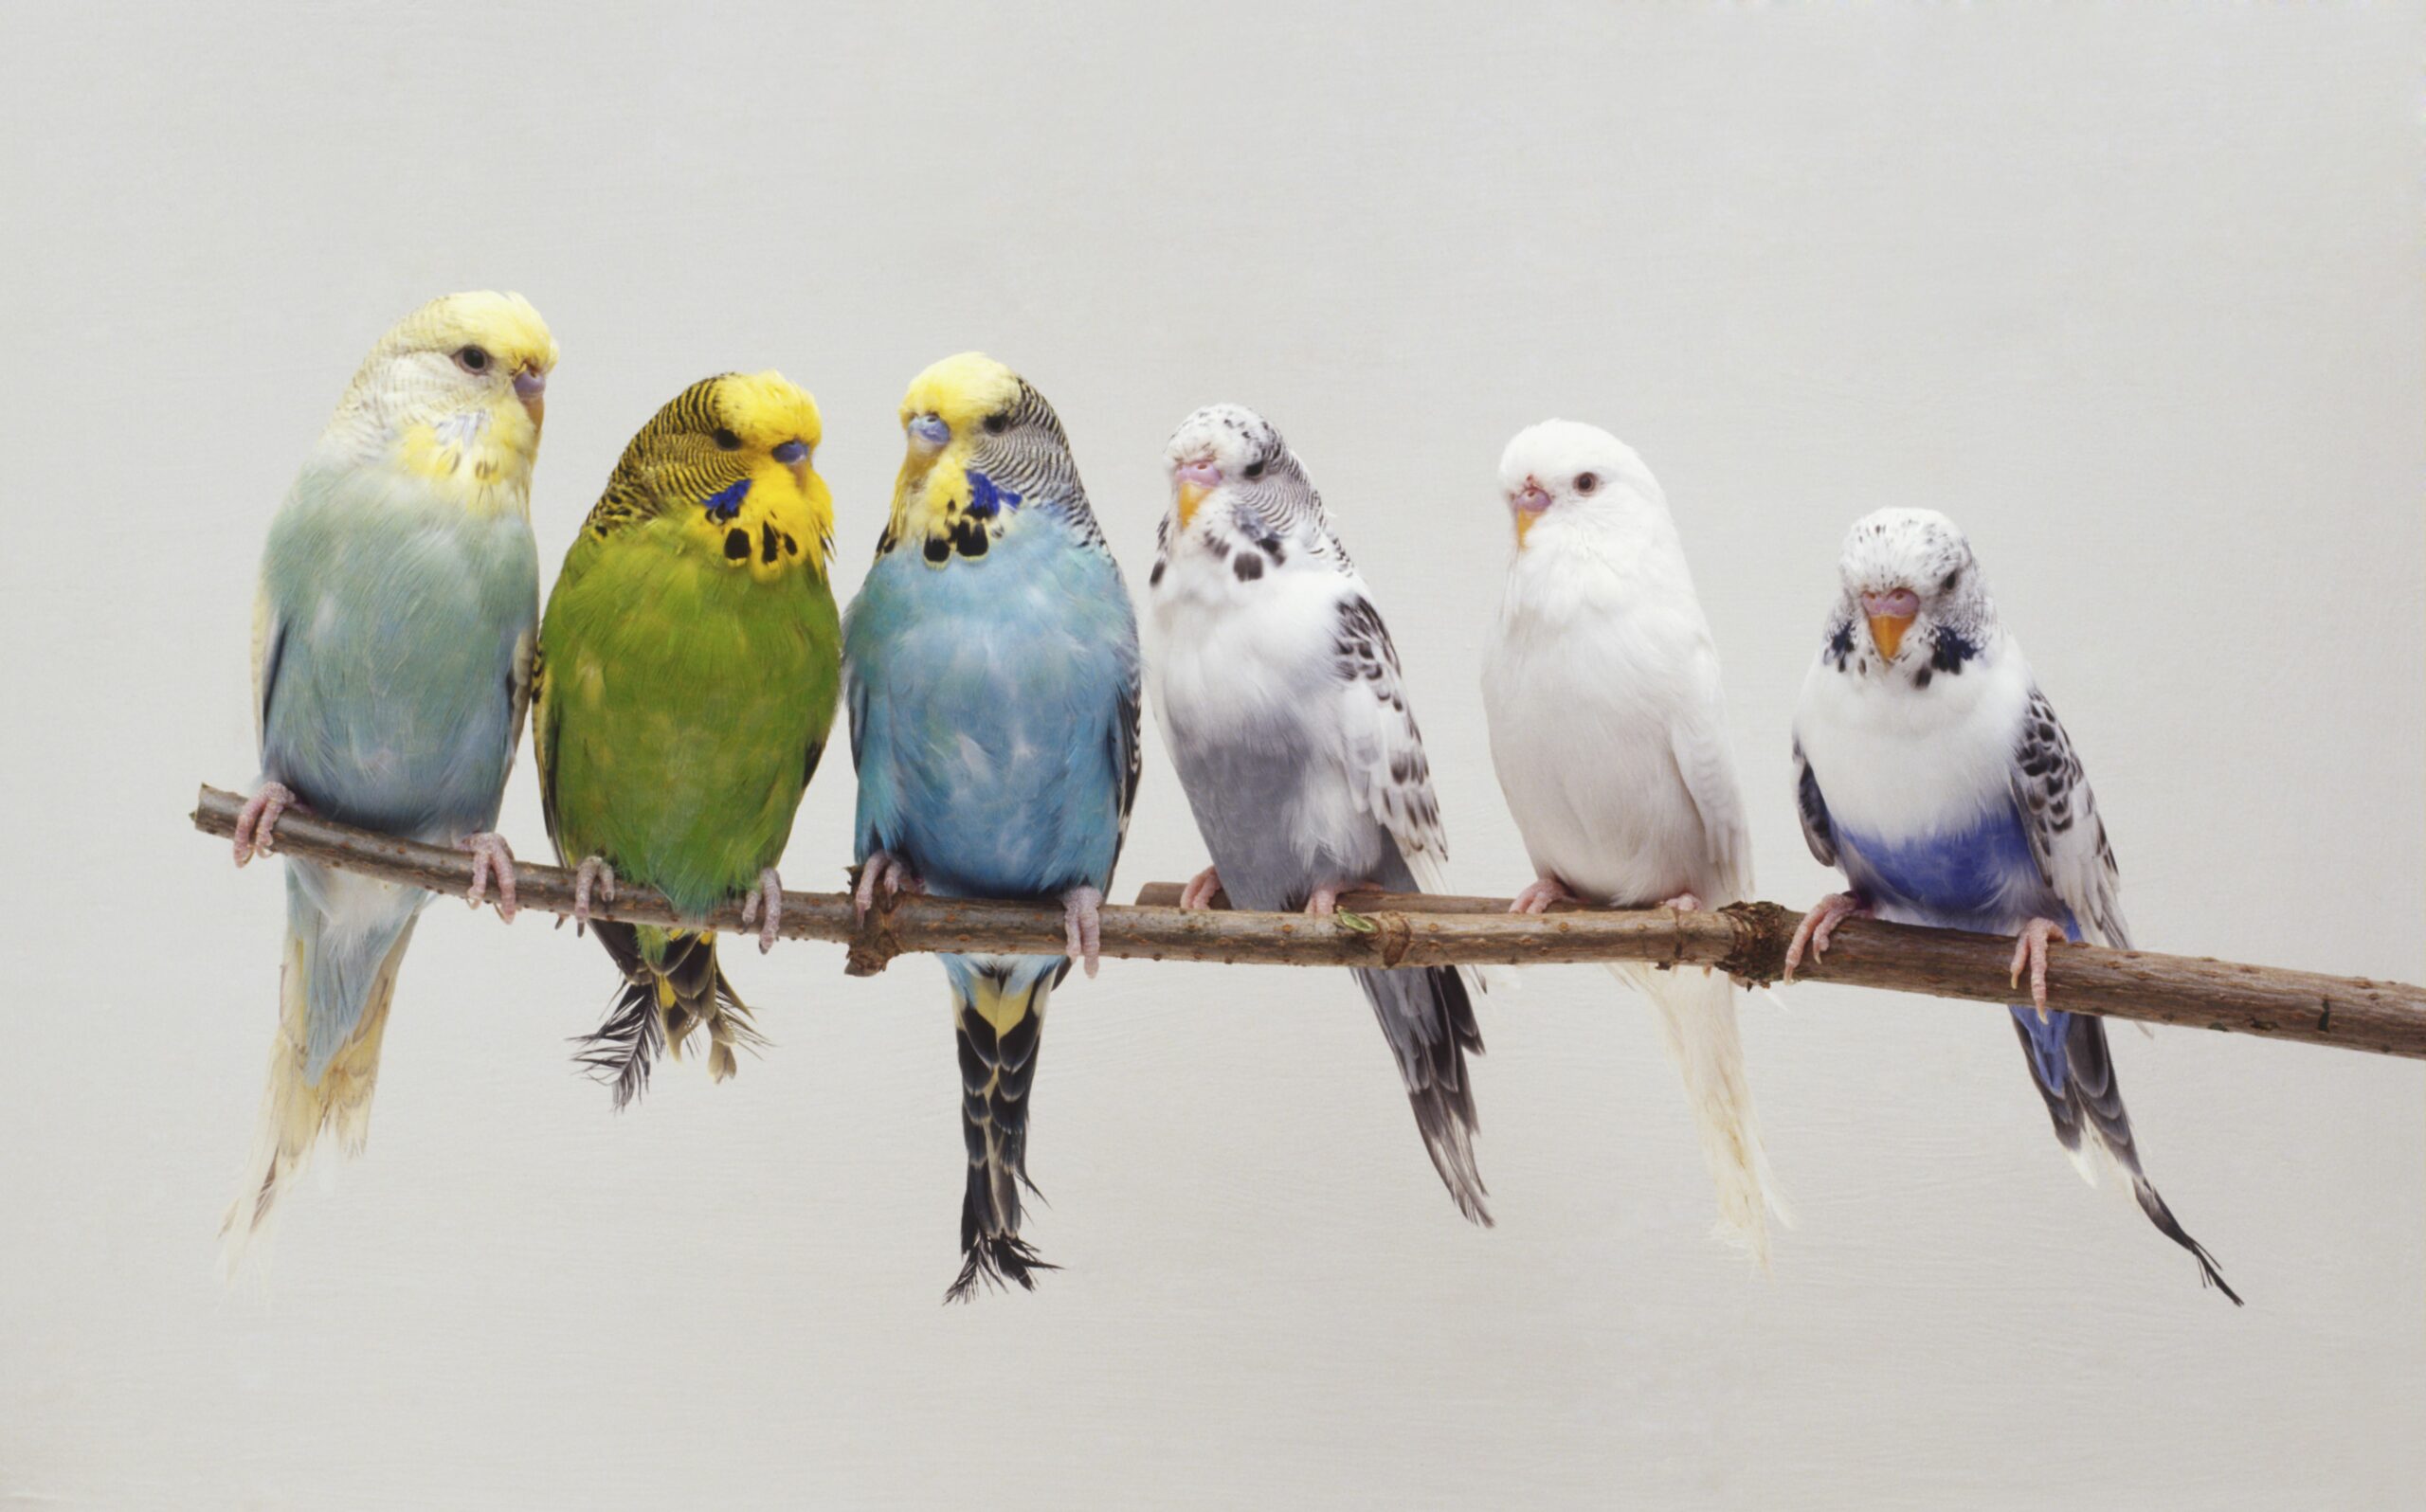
2029 950
883 868
1684 903
255 824
1819 924
1540 893
1323 902
490 855
1082 921
593 873
1200 890
765 909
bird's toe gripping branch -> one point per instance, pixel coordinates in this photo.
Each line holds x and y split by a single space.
764 907
592 877
491 858
2030 950
1082 919
1819 924
883 879
255 826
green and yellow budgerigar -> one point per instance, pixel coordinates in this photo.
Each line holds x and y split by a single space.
391 660
690 661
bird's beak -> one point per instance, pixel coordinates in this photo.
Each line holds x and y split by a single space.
1889 615
1529 503
531 386
929 432
1194 480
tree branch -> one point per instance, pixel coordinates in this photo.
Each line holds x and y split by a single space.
1748 941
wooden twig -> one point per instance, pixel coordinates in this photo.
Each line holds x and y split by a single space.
1377 929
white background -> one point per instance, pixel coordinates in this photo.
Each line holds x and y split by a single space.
2136 296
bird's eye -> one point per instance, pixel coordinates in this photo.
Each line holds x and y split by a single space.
1587 482
726 439
1951 579
1254 469
996 424
472 359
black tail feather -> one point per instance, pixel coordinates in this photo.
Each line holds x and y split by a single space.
2092 1100
994 1260
639 1024
1428 1017
997 1070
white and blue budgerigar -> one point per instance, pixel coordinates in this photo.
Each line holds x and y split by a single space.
1608 731
991 672
391 669
1930 768
1279 695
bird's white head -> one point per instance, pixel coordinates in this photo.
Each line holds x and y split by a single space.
1913 587
1235 482
1562 474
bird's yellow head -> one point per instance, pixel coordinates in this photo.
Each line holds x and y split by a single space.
982 443
455 392
725 468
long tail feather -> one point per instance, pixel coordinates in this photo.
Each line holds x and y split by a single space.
998 1014
2073 1069
1428 1016
1697 1020
299 1105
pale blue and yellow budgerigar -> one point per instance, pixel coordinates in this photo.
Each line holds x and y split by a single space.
992 669
391 668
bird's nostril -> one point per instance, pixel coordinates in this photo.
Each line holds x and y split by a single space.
792 453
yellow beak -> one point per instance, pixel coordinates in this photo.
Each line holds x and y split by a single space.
1887 632
1190 496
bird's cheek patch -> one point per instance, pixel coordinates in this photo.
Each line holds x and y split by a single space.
753 528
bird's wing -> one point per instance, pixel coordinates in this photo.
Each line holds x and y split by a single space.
1382 748
1706 759
269 640
2067 838
1818 830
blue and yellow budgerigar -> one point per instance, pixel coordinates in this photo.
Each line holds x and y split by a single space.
992 669
391 669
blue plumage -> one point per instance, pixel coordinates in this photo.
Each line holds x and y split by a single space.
991 667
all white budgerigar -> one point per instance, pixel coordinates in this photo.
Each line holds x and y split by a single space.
1609 733
1279 695
1931 770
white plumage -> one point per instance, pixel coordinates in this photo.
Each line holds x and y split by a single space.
1608 731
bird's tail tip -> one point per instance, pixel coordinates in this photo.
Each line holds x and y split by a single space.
2210 1275
991 1261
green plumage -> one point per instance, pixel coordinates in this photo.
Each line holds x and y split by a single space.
685 694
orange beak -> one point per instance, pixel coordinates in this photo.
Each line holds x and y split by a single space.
1195 480
1889 615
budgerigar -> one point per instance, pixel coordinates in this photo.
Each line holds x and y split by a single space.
992 671
1610 732
1931 770
689 668
391 668
1279 695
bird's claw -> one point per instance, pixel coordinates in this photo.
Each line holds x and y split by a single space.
2030 950
1082 925
1684 903
1540 893
491 857
882 869
258 820
1200 890
764 907
1819 924
593 875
